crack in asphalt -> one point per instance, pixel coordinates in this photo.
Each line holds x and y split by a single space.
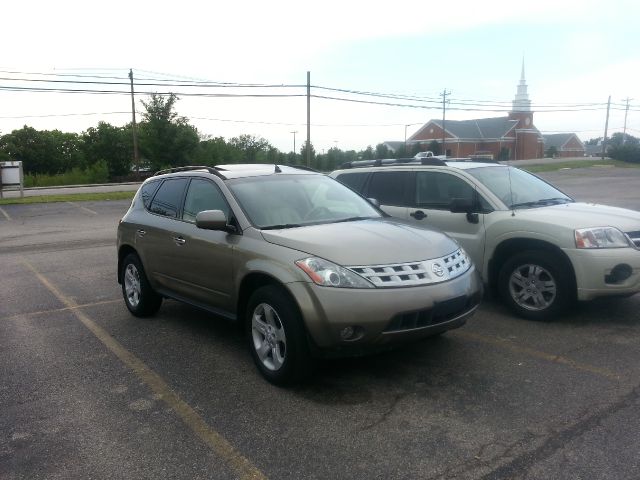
558 440
398 397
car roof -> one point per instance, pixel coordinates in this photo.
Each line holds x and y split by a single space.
392 164
226 172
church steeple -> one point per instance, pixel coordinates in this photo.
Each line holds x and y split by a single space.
521 102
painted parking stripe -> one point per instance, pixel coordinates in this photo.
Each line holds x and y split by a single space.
6 215
531 352
88 210
235 461
56 310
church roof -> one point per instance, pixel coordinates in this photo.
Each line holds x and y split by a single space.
557 139
480 128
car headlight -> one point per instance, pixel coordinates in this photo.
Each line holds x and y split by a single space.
328 274
600 237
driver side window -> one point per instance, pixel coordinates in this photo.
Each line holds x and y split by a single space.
437 189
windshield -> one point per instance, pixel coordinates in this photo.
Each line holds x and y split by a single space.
517 188
287 201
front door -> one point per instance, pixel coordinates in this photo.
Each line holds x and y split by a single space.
430 206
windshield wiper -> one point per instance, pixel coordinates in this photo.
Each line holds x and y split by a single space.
281 226
353 219
542 202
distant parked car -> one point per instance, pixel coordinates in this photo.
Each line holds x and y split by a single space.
532 243
305 264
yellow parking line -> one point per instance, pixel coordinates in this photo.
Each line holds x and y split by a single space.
498 342
55 310
237 462
6 215
83 208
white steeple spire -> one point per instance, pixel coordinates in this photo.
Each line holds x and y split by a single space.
521 103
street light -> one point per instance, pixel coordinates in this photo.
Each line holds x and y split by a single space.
294 140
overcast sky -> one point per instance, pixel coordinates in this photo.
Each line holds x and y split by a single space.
576 53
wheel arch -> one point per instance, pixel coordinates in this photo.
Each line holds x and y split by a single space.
255 280
509 247
122 254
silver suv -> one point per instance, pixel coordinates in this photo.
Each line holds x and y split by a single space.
532 243
305 264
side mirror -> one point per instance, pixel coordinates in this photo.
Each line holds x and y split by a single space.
212 220
374 202
465 205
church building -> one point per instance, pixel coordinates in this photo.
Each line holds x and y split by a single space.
513 137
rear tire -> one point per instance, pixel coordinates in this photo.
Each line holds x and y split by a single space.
139 297
535 284
277 337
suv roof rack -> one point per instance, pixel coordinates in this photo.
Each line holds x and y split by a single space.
213 170
304 167
394 161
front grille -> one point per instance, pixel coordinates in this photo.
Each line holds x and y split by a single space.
440 313
416 273
635 238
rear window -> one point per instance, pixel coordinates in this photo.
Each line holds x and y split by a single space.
167 201
147 191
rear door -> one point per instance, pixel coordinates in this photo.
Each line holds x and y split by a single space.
392 190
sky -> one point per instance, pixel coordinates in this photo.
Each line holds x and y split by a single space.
576 55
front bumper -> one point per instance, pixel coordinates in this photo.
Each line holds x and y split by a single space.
385 315
593 268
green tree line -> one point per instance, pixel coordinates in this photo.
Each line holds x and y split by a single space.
166 139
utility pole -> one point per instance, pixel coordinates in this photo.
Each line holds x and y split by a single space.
294 141
606 128
405 141
626 111
308 119
444 95
136 155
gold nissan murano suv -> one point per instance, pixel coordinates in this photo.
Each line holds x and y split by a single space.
307 266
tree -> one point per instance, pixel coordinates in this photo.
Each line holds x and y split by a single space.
593 141
627 153
43 151
382 151
250 146
166 139
434 146
303 153
367 153
112 144
551 152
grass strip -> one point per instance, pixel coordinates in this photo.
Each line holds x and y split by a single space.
70 197
596 163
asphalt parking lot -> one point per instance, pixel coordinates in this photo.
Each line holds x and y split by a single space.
88 391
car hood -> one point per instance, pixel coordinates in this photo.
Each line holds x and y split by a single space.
365 242
582 215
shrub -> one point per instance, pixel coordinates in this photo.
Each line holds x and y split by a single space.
626 153
96 173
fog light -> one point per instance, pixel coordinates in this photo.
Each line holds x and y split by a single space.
351 333
619 273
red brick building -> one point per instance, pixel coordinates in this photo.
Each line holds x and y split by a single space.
513 137
566 145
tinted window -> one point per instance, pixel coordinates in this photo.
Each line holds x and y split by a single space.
389 187
436 190
147 191
355 181
167 200
203 195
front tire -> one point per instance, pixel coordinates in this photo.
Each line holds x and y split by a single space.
276 336
139 297
535 285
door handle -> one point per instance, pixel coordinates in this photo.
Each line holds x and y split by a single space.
141 233
418 214
179 240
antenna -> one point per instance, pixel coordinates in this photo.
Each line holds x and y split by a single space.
277 169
